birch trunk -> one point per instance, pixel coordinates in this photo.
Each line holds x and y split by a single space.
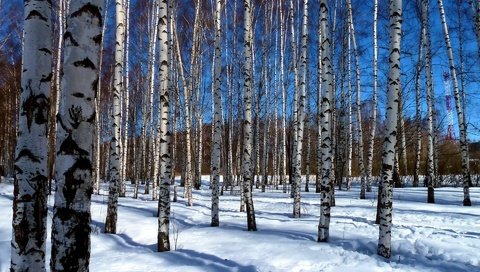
430 176
126 91
29 225
98 129
115 142
326 116
388 157
283 141
217 134
247 125
462 126
361 162
163 241
186 114
418 112
318 178
76 117
373 118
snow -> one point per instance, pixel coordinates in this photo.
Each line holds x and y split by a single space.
426 237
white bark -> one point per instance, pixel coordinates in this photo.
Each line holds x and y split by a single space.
388 157
126 90
217 135
462 126
76 117
29 223
430 176
373 118
164 132
283 140
297 167
116 140
326 116
247 127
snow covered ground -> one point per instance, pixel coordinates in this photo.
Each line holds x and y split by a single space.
426 237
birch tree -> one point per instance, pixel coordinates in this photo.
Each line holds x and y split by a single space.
361 163
388 156
115 142
76 117
326 117
430 176
462 126
217 134
164 132
247 124
29 223
373 118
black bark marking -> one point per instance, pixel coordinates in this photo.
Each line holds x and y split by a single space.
97 39
70 147
79 95
27 153
89 8
46 79
38 15
71 183
68 35
76 117
85 63
35 108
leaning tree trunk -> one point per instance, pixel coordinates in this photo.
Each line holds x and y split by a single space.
388 157
247 127
430 176
71 211
217 133
462 126
326 116
116 141
29 223
164 133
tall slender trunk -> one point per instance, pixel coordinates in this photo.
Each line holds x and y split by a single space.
71 211
55 96
318 178
326 116
126 91
361 162
247 125
217 135
98 99
462 126
418 112
373 118
430 176
187 120
29 224
283 140
388 157
115 142
164 132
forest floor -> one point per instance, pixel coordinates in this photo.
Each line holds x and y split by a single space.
426 237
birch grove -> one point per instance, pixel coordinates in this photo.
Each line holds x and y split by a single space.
169 103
